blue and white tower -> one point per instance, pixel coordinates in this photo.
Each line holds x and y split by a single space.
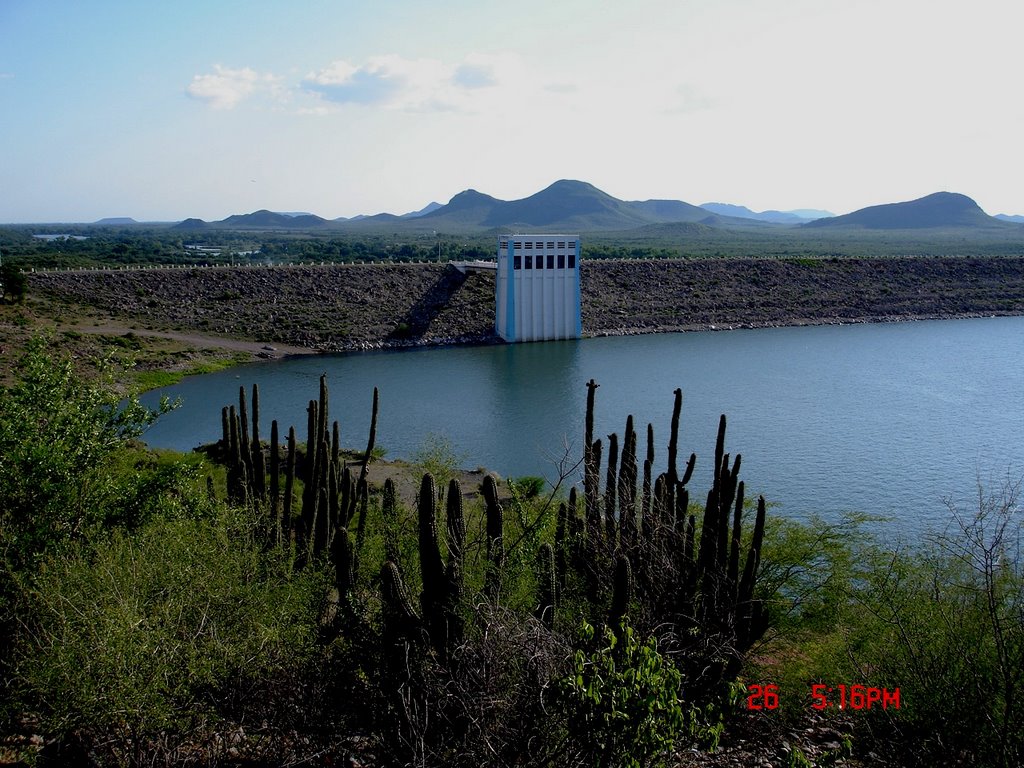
538 288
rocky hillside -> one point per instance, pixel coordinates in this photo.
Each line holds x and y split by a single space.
333 308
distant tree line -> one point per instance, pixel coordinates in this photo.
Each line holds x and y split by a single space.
111 246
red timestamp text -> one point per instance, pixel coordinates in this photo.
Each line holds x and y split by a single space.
826 697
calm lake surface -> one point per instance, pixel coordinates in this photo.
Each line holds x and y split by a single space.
889 419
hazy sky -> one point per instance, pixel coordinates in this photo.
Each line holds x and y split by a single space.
162 111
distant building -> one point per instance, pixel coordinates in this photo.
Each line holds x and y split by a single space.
538 288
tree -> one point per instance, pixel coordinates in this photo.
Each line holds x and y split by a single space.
12 281
58 436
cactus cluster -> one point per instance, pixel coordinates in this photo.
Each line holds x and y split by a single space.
333 494
641 549
638 548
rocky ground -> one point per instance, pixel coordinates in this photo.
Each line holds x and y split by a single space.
341 307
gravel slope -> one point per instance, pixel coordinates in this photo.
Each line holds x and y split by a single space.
341 307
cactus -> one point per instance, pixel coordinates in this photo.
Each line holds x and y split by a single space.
308 469
389 513
322 407
673 440
259 465
243 418
610 490
275 482
591 467
341 556
547 585
622 592
399 615
627 488
433 597
373 435
591 499
696 585
495 542
289 489
442 585
456 523
454 571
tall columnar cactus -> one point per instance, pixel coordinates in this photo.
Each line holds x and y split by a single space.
431 563
495 539
592 499
400 618
561 547
673 440
342 558
373 435
322 408
442 586
287 520
244 432
275 479
547 585
627 489
389 513
622 591
611 491
591 465
751 622
257 460
455 570
225 432
309 464
456 527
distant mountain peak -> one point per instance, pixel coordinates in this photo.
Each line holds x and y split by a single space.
778 217
935 211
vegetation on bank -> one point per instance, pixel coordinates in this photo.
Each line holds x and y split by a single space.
266 603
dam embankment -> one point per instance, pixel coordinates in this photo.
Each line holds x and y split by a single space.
360 306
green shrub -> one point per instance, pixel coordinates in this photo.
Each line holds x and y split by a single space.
530 487
162 629
58 435
945 625
623 701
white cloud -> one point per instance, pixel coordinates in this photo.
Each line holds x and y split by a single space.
419 85
226 88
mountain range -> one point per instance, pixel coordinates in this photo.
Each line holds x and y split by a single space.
576 206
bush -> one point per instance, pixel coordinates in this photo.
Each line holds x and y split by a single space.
622 701
166 630
58 438
946 626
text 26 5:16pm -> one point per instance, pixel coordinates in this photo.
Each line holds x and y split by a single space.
825 696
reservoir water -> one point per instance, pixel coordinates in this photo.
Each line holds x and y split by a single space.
889 419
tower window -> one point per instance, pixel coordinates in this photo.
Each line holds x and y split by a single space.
517 262
551 261
561 261
572 261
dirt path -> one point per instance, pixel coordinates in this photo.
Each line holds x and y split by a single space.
260 348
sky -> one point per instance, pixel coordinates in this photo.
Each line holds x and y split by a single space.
165 111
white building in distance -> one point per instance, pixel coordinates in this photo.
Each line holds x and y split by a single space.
538 288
